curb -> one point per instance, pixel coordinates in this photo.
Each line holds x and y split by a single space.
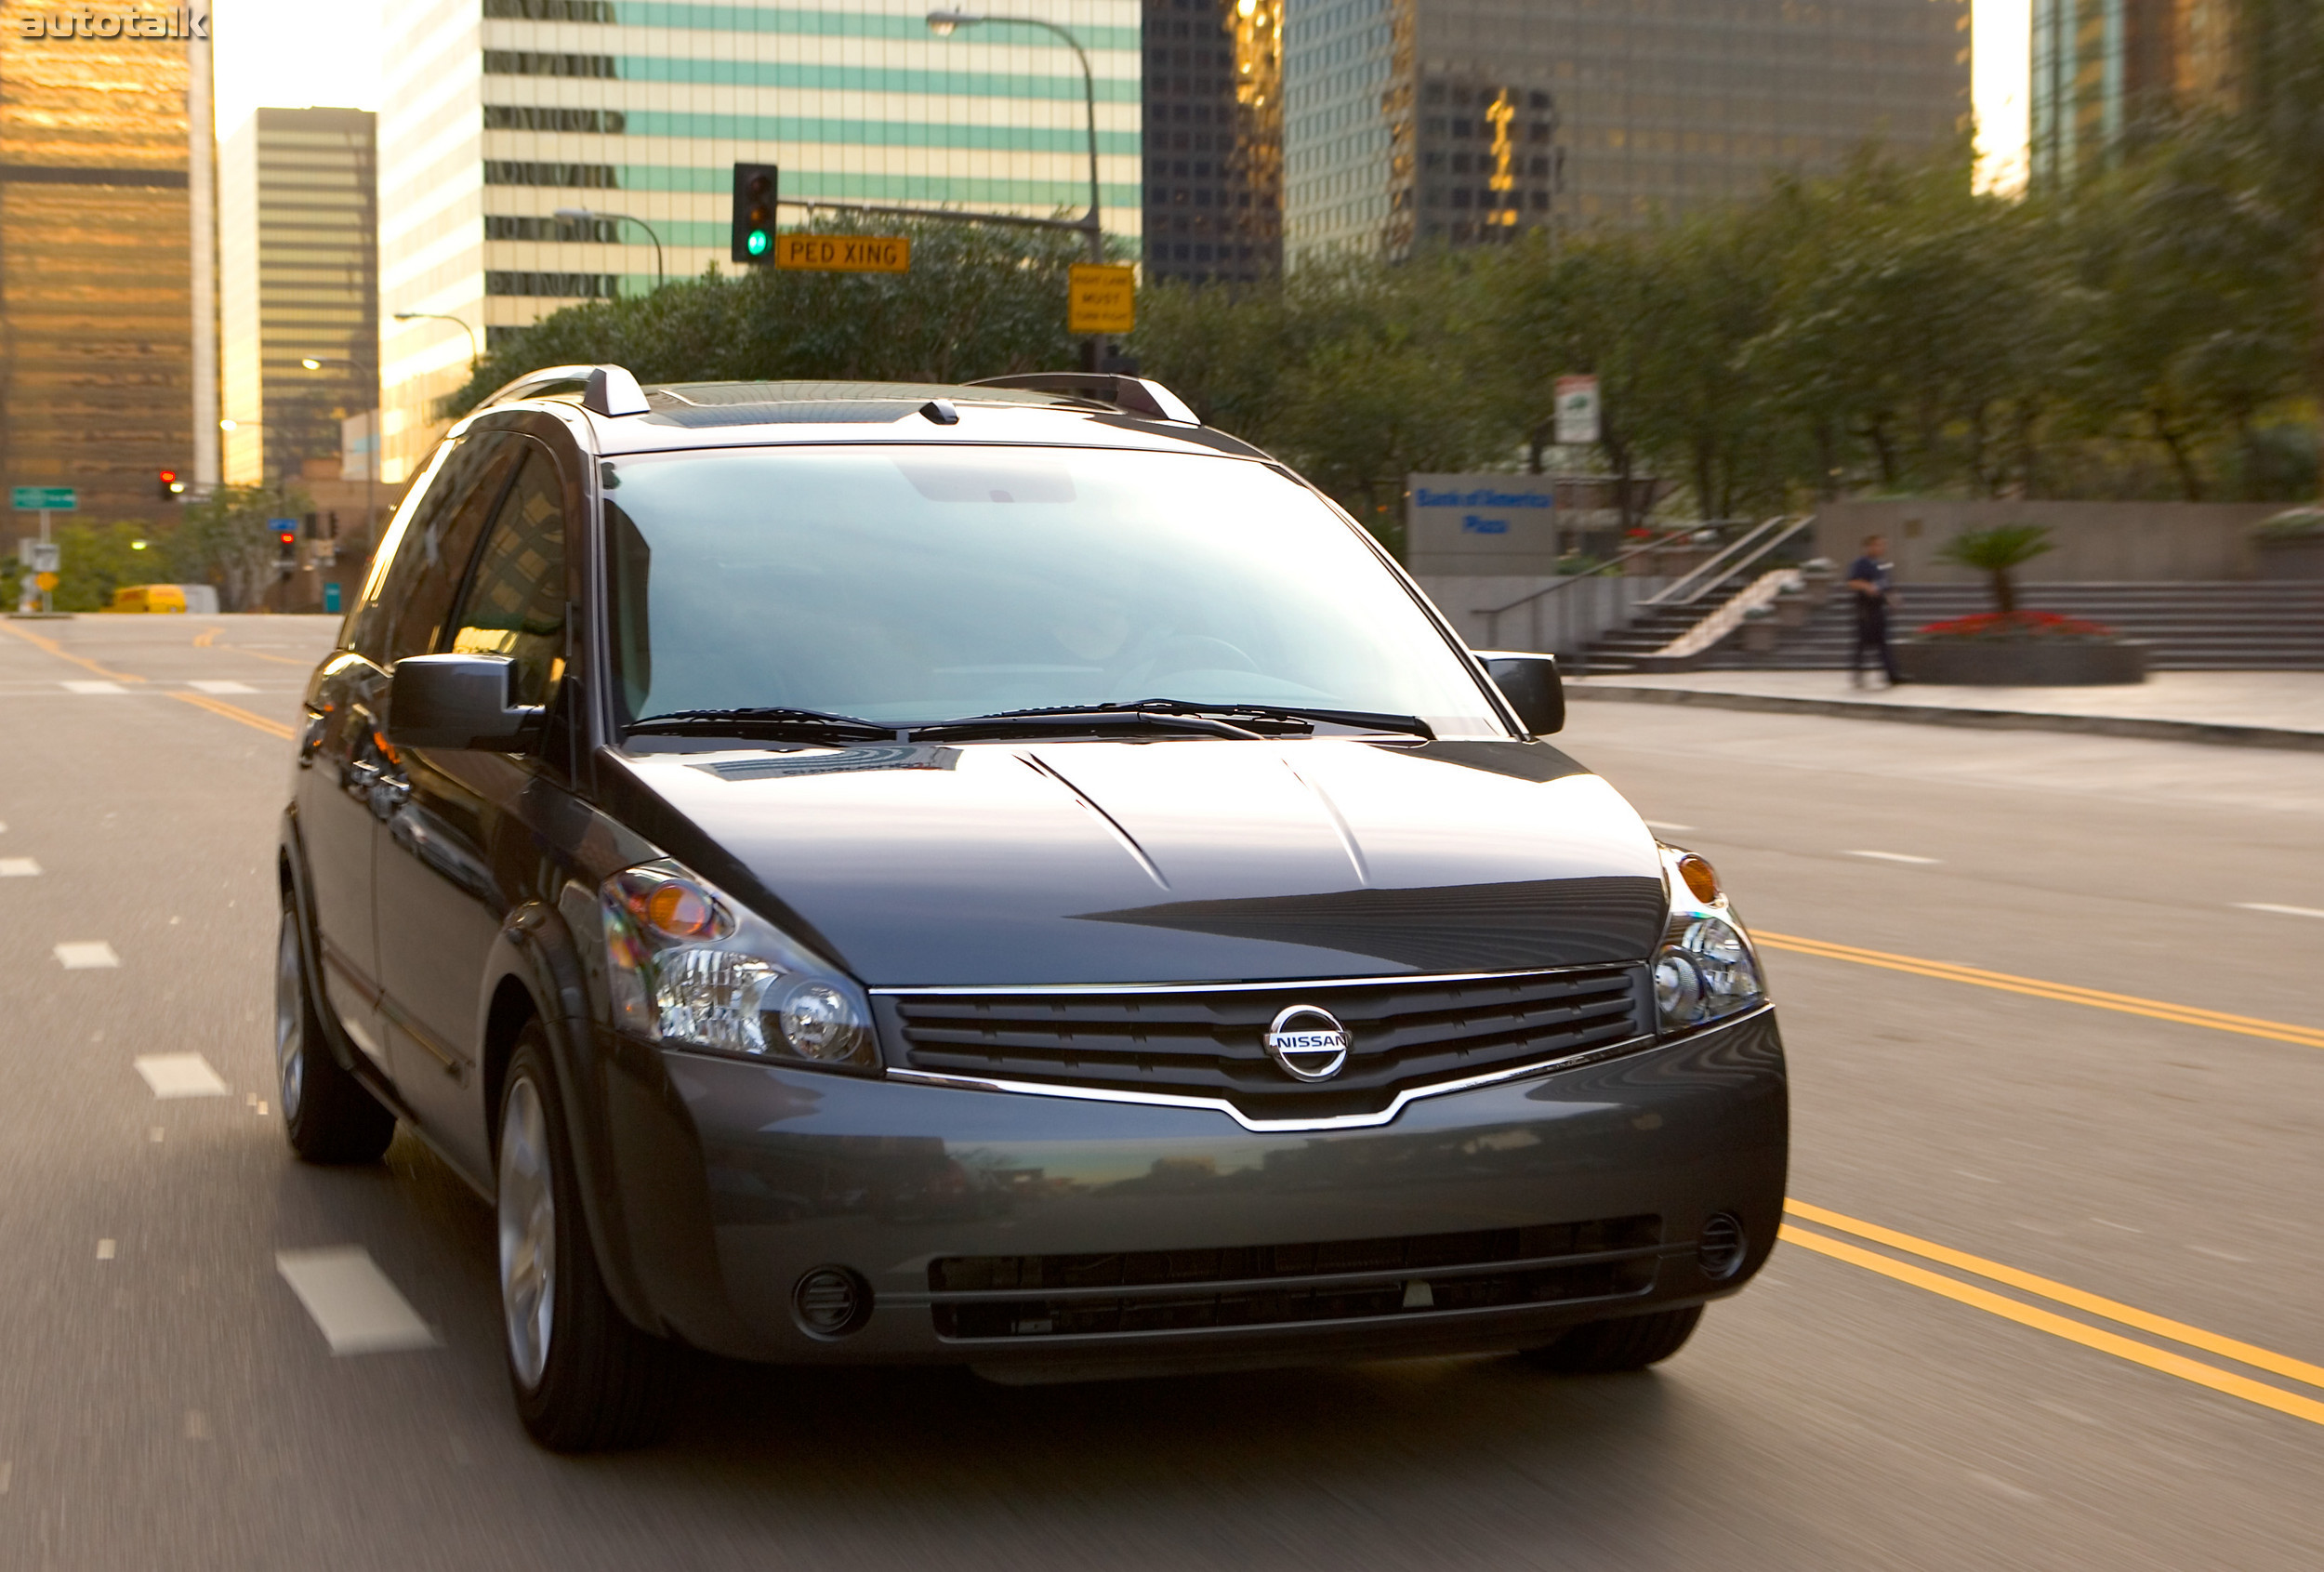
1982 719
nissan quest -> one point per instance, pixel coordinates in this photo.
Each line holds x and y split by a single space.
1001 874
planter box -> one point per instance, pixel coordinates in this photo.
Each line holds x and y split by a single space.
2026 663
2292 559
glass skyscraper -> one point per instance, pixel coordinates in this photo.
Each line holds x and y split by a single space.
1214 139
96 281
2101 66
498 112
1459 122
297 280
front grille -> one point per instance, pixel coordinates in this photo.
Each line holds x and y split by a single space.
1274 1285
1208 1043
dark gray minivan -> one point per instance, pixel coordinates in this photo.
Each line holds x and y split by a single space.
999 875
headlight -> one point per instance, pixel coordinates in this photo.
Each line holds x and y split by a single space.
687 965
1705 969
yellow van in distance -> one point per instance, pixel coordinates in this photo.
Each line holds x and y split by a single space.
150 598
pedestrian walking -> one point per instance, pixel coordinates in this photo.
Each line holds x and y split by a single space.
1871 579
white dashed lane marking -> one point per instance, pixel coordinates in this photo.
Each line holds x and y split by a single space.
1893 856
2268 907
86 687
1674 829
351 1300
180 1074
86 955
104 1249
17 867
214 687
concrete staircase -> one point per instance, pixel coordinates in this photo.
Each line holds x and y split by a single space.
2198 627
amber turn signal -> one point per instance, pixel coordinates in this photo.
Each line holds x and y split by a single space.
681 911
1700 878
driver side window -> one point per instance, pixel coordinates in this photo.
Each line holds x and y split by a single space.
515 604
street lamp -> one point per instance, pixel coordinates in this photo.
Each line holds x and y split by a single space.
583 213
473 353
943 24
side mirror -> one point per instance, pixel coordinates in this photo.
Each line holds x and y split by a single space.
1531 685
457 701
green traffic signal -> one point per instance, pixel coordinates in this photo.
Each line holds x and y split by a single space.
758 243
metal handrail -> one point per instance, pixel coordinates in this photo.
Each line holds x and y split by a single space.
1602 571
1747 549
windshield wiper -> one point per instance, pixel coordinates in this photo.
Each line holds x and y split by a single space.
1088 718
764 720
1215 720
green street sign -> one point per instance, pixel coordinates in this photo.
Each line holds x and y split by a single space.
54 500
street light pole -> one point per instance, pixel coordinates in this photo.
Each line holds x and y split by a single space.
474 354
944 23
583 214
371 465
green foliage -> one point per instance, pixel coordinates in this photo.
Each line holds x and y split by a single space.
226 540
981 301
95 560
1997 553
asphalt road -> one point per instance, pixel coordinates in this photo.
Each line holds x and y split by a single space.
2059 1093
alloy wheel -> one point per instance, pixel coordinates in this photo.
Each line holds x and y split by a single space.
528 1230
290 1018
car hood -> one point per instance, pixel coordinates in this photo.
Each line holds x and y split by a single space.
1198 860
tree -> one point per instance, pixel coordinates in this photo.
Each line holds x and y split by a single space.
226 539
2281 89
1997 553
981 301
95 560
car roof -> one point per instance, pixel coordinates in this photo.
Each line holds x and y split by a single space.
688 415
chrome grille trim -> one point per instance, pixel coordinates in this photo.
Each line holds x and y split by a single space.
1268 1127
1392 980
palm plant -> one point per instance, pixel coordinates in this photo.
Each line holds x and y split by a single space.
1998 553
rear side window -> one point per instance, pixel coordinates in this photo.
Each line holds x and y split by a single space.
433 556
515 604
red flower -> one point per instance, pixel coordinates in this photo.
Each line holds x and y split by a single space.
2018 624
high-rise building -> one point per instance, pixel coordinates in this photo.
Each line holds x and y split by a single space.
1459 122
634 112
2101 68
1213 138
299 280
96 283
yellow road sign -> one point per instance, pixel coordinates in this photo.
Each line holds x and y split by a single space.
44 581
1104 298
843 252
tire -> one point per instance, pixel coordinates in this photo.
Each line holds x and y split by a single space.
1626 1342
585 1378
326 1113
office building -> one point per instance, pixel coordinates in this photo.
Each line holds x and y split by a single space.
495 116
95 267
297 280
2101 68
1213 139
1461 122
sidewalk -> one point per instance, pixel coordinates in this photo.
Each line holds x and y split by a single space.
2243 708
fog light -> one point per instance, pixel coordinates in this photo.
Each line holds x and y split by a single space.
1721 1250
831 1302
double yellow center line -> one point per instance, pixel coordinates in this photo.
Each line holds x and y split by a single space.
200 701
2035 987
2231 1382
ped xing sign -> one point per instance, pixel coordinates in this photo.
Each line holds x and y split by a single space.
843 252
1577 422
52 499
1103 299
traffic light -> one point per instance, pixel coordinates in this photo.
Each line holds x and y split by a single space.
170 485
754 212
286 542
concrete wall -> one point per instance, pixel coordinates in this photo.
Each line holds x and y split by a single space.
2097 542
1561 623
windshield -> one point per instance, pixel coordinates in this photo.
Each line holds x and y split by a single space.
913 585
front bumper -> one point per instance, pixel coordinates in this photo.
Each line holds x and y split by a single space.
736 1179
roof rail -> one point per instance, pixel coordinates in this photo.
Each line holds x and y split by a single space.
1132 395
605 389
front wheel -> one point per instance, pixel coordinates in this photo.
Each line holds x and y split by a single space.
1626 1342
585 1378
326 1113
